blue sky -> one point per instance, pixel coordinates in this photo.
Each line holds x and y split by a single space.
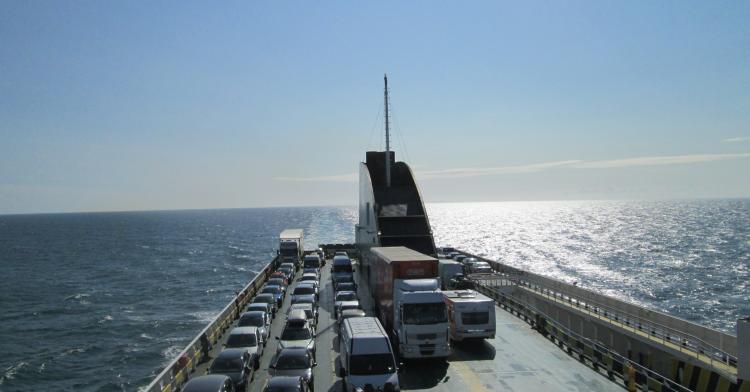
142 105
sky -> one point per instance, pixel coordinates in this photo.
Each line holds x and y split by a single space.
137 105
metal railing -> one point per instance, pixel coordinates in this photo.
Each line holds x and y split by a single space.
178 371
586 349
678 339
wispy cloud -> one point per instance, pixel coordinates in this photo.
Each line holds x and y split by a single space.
485 171
538 167
350 177
659 161
739 139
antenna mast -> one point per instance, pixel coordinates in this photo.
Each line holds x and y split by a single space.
387 137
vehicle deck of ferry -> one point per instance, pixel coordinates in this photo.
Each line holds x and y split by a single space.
517 359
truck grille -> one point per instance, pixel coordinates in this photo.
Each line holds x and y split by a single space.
426 336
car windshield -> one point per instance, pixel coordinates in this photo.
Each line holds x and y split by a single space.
345 287
288 362
305 299
349 306
242 340
296 334
308 278
226 365
346 297
342 267
276 281
428 313
283 388
264 299
255 320
270 290
371 364
304 290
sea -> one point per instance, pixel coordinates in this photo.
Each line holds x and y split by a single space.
103 301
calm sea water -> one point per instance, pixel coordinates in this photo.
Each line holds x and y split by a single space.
103 301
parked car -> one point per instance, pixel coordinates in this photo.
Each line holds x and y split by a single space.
247 338
281 275
311 260
345 305
257 319
288 272
310 310
276 291
311 270
261 306
309 277
346 286
297 333
267 298
305 299
305 289
287 265
286 384
297 362
210 383
342 296
459 257
281 282
236 364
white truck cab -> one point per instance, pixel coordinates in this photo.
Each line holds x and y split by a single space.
366 356
420 319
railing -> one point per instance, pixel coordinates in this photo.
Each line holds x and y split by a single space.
708 345
631 373
178 371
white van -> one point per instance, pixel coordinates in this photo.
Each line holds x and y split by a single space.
366 356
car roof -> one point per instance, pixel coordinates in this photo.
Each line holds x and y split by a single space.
232 353
263 295
243 331
300 305
353 313
284 382
296 315
305 284
211 382
251 313
292 351
341 259
310 274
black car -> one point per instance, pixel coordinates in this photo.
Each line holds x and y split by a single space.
293 362
286 384
269 299
236 363
209 383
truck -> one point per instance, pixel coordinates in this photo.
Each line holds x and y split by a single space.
471 315
447 270
408 301
291 246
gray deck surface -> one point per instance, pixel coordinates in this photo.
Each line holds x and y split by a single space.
518 359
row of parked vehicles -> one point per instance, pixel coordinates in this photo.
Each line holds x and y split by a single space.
366 361
291 367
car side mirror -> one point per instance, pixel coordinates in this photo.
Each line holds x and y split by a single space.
315 364
342 372
276 337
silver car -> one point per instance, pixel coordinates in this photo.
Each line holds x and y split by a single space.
297 333
248 339
293 362
258 319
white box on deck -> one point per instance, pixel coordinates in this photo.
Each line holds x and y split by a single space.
400 253
291 233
